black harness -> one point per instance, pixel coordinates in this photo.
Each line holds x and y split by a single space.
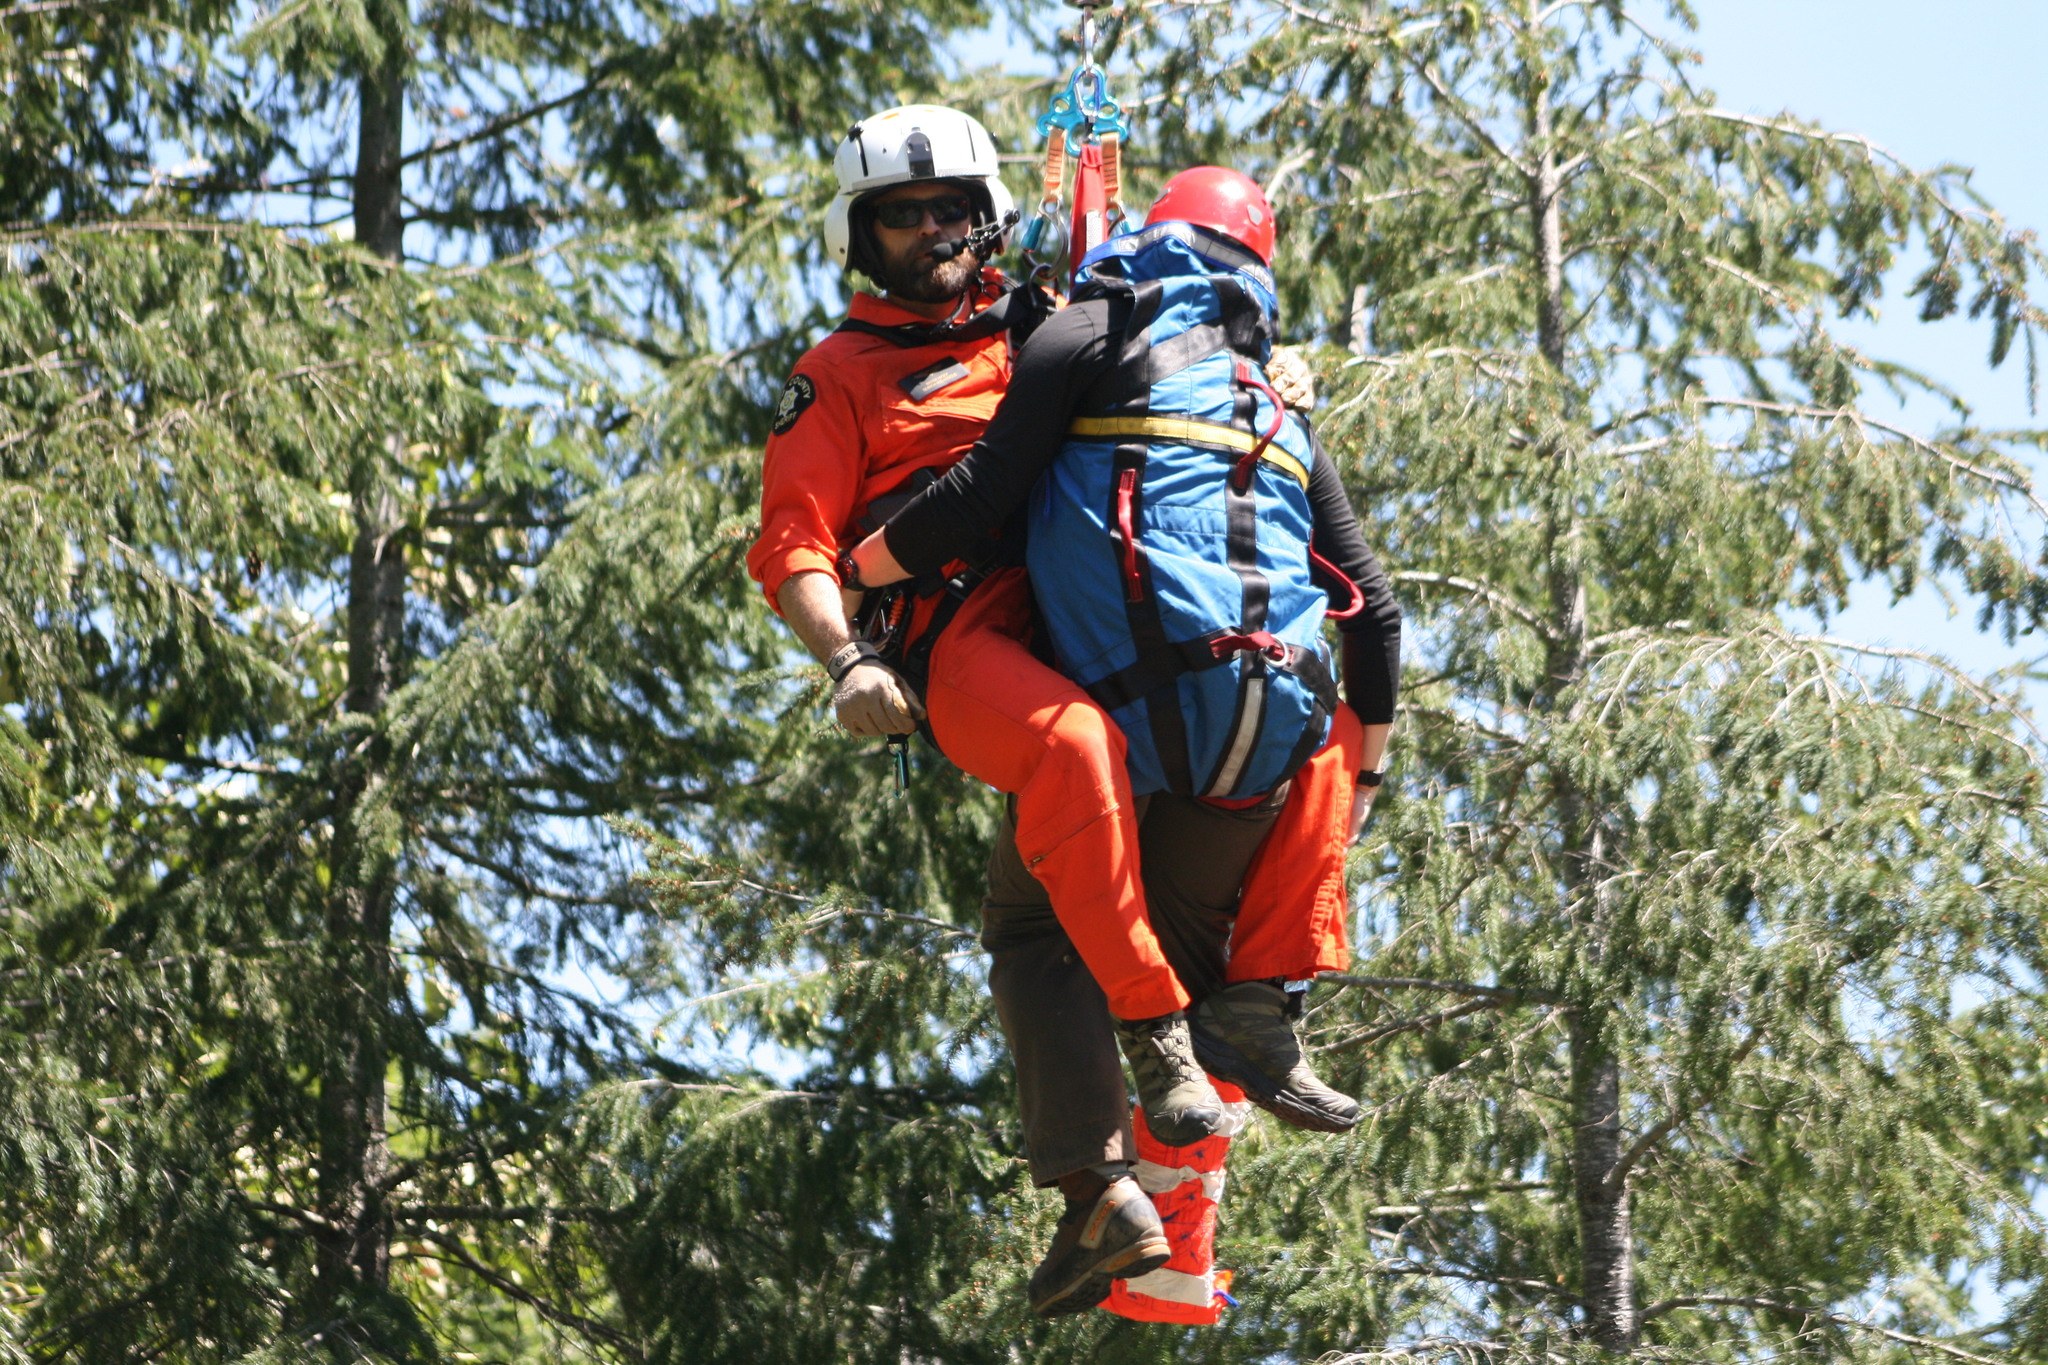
885 617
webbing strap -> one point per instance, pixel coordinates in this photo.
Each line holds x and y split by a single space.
1148 674
1128 386
1014 309
1141 617
1242 315
1330 574
1055 172
1091 206
1188 431
1249 379
1112 174
1241 540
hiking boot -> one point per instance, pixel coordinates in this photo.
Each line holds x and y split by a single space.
1179 1103
1242 1034
1115 1237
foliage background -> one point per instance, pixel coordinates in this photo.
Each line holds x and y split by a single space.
372 614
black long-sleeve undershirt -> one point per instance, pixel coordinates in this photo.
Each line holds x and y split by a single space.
1053 372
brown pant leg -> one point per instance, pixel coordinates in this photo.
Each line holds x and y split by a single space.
1193 856
1070 1077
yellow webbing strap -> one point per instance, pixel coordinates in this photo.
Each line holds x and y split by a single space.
1187 431
1055 166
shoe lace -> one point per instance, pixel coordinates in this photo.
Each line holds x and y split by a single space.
1164 1058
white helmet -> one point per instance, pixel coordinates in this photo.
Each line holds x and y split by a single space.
899 147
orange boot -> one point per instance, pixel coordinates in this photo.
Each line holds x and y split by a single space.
1185 1184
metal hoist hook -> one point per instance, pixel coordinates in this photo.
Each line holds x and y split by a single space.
1086 121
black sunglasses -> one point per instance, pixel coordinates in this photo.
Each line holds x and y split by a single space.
908 213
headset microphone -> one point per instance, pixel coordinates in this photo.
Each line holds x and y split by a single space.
981 241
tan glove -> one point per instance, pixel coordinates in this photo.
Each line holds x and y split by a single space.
874 699
1289 373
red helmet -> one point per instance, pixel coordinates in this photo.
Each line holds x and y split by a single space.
1225 200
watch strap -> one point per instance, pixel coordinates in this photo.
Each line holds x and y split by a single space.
849 656
1372 777
849 571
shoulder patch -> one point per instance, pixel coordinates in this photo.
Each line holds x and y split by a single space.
799 393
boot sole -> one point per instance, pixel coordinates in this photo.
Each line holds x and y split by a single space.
1225 1062
1091 1286
1200 1125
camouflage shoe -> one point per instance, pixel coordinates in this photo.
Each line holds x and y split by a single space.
1179 1103
1242 1034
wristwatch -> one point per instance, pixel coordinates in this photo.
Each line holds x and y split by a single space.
849 572
1372 777
848 657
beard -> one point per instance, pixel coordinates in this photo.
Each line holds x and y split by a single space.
917 277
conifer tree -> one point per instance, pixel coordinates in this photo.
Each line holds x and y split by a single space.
1702 939
380 397
369 419
1696 1004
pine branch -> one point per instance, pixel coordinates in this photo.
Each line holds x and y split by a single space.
506 122
1504 994
512 876
1485 592
1413 1024
47 364
1434 1348
512 1213
1657 1310
22 11
794 979
305 1217
1865 424
1464 722
1617 1178
1457 108
1399 1267
454 1252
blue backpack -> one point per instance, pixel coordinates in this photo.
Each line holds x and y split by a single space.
1169 541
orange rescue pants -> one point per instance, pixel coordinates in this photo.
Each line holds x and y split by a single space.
1018 725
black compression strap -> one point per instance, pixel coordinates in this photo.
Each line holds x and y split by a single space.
1243 320
1127 685
1241 544
1127 387
1148 634
1138 327
914 661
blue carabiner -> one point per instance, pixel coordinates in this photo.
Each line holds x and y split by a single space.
1092 109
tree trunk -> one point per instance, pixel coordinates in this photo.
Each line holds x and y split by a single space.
1606 1250
1607 1272
354 1245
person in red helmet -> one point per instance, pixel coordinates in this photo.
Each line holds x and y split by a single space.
1209 225
1223 200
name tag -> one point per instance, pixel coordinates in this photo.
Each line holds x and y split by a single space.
929 380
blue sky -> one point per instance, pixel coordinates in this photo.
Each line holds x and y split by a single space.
1958 82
